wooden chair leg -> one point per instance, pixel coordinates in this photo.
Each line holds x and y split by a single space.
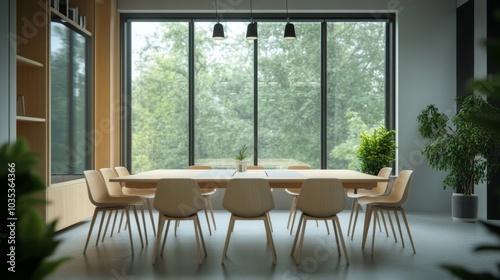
408 229
342 240
130 230
144 224
211 212
296 235
107 224
114 222
299 251
138 226
198 245
292 207
96 211
353 205
269 219
399 227
375 217
103 215
293 219
358 206
392 226
161 223
165 238
267 225
226 245
208 221
150 209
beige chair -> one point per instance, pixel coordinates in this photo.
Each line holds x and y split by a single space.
146 194
320 199
294 192
115 190
206 192
248 199
392 202
99 196
259 167
178 200
379 190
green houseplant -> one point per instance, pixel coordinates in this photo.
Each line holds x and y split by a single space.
461 147
376 150
27 252
241 164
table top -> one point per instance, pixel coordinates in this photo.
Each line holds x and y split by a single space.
277 178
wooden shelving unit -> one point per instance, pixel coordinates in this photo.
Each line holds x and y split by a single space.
67 20
68 203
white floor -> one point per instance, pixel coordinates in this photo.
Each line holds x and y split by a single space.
437 238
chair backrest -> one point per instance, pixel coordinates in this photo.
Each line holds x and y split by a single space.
114 188
199 167
401 189
255 167
98 192
321 197
122 171
248 197
178 197
382 186
299 167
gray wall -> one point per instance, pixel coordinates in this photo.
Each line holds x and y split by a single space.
426 72
7 72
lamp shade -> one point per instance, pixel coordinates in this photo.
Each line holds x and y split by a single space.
252 31
289 31
218 32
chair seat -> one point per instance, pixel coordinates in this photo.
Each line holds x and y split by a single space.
148 193
116 200
208 191
293 191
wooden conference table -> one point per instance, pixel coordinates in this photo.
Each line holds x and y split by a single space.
277 178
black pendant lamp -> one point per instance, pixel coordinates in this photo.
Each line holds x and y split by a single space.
252 27
289 28
218 28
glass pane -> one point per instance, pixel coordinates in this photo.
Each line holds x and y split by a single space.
159 99
356 87
70 107
223 94
289 96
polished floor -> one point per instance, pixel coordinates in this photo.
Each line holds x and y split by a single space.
437 238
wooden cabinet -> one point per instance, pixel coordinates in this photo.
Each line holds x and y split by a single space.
68 202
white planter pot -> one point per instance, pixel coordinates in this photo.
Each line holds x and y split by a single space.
464 207
241 166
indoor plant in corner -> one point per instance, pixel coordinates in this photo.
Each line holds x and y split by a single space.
461 147
241 164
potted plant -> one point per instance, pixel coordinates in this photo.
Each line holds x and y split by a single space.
29 249
241 164
463 149
376 150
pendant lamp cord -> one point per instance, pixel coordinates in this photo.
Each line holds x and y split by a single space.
287 17
251 13
216 11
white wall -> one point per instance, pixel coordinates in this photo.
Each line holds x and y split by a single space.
426 71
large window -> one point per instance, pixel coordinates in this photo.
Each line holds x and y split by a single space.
195 100
159 95
223 94
70 103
